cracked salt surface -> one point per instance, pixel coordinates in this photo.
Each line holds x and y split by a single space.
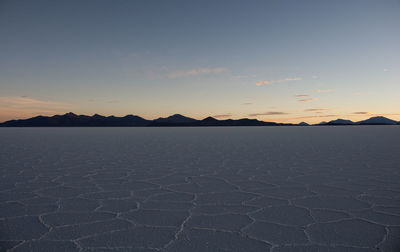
277 189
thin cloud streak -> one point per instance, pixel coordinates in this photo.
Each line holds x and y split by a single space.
197 71
260 83
21 101
19 113
240 76
269 82
315 109
395 114
222 116
324 90
307 100
27 102
17 107
306 117
268 113
288 79
302 95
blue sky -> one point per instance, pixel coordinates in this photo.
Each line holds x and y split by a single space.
286 61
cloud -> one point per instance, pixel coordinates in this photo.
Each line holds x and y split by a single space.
240 76
20 100
269 82
222 116
307 117
324 90
386 70
196 71
306 100
370 114
260 83
288 79
247 103
315 109
314 76
385 114
268 113
302 95
27 102
17 113
16 107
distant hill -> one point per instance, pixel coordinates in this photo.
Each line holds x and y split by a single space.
173 120
210 121
378 120
179 120
340 122
73 120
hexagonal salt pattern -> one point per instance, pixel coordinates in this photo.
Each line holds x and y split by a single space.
277 189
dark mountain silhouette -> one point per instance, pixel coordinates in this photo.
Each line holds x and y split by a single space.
179 120
378 120
210 121
174 120
340 122
73 120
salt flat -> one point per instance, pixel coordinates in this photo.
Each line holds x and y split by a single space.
279 189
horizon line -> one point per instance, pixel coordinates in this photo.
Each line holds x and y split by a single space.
216 118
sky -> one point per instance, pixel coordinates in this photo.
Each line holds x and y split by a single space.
282 61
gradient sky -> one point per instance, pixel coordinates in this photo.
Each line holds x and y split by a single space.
284 61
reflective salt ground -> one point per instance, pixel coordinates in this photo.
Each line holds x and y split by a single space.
200 189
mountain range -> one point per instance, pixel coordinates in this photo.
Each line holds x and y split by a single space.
377 120
72 120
